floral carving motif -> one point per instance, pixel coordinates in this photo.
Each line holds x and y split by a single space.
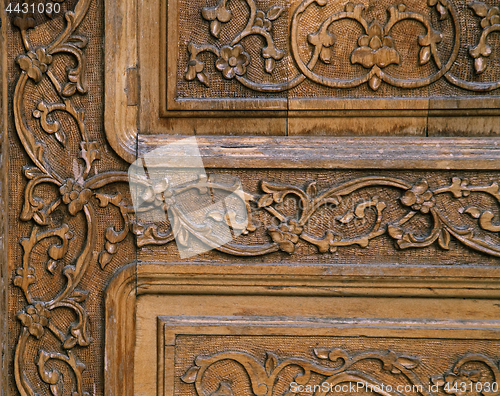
286 235
233 61
419 197
216 15
263 377
490 23
35 64
75 196
35 318
375 52
376 48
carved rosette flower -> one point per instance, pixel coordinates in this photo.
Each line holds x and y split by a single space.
419 198
375 51
35 64
490 23
233 61
286 236
75 196
35 318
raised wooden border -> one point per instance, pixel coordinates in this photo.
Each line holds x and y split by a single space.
341 152
263 279
169 107
168 327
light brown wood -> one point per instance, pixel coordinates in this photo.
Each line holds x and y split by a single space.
340 152
186 297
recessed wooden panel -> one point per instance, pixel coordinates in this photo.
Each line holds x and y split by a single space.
317 54
302 68
207 343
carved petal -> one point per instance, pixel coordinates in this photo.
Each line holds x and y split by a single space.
223 14
190 376
386 56
228 72
364 56
479 8
221 64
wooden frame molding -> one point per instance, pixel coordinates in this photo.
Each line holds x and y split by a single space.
138 279
340 152
4 209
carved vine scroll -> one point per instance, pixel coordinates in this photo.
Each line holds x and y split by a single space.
375 49
346 368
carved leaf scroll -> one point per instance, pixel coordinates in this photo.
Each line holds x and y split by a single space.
348 368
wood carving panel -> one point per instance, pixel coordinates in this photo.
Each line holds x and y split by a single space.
317 365
348 216
73 226
281 355
411 49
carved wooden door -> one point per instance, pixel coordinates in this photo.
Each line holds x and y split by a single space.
250 197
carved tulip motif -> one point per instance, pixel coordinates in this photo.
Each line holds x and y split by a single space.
441 7
375 52
325 40
216 15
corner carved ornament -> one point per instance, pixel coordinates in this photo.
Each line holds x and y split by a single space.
83 192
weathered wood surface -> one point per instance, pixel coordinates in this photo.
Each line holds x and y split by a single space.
400 229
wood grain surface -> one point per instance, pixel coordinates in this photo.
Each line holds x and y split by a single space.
349 150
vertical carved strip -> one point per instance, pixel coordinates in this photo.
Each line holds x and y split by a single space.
3 208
